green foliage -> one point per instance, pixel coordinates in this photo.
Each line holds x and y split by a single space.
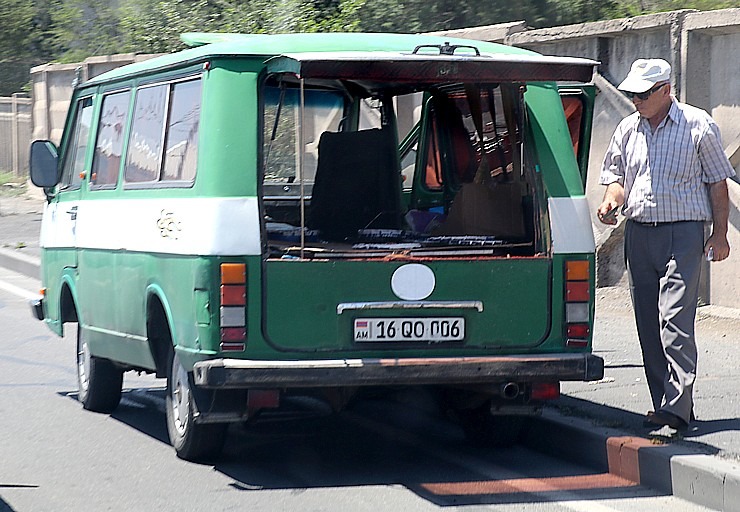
7 177
81 28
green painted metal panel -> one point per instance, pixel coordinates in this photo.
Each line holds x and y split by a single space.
301 301
552 143
229 134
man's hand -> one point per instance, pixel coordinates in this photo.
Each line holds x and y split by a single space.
613 199
607 212
719 247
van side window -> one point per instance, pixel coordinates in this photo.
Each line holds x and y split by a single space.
181 150
74 161
163 144
109 139
145 142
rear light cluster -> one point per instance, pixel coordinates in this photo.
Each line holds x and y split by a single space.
545 391
233 307
577 300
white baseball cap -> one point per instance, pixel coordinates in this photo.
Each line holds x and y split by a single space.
644 74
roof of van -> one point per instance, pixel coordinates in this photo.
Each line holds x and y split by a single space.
209 45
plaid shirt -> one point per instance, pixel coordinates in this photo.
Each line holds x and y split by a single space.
665 172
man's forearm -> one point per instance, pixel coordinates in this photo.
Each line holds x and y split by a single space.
614 193
720 200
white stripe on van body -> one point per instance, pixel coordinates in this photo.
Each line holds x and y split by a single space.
188 226
58 224
570 225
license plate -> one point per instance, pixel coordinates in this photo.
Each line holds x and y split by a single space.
409 329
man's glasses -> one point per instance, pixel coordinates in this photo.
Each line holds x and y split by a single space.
644 95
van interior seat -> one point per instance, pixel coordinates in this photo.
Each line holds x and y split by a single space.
357 184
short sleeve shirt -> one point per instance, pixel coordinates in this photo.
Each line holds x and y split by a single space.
665 172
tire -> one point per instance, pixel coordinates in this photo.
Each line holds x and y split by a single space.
99 381
192 441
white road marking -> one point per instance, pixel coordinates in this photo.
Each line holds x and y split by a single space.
18 291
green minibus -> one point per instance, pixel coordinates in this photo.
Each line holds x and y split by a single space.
259 216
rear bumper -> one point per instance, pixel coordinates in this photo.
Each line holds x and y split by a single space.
241 373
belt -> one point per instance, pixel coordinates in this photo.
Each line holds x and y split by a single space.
656 224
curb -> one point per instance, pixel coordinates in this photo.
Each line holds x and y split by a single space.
671 469
21 263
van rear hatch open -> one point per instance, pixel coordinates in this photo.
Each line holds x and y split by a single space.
441 248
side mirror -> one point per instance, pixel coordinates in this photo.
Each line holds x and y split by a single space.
44 164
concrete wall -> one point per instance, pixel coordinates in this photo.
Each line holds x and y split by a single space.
15 134
52 86
703 49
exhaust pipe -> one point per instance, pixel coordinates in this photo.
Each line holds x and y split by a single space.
510 390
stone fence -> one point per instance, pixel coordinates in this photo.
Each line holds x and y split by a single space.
15 134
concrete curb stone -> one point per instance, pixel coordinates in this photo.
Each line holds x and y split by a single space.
21 263
668 468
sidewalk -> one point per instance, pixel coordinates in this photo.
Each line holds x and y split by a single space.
20 223
598 423
703 465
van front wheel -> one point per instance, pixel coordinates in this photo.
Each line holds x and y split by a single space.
192 441
99 380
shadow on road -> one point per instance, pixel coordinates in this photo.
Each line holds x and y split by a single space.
612 417
381 442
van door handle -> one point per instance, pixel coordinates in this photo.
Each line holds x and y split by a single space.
72 213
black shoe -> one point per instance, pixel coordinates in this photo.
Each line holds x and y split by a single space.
655 419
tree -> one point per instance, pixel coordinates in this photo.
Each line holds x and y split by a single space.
432 15
81 28
17 17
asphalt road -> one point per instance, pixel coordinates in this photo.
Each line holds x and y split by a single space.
385 454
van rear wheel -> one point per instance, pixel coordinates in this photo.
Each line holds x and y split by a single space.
99 380
192 441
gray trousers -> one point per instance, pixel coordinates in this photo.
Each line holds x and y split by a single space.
663 265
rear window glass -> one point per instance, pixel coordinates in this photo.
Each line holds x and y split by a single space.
323 111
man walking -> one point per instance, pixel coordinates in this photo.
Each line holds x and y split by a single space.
666 168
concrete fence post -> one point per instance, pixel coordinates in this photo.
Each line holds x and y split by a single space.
14 135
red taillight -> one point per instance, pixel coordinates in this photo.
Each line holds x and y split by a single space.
233 307
578 331
233 334
545 391
577 291
233 347
577 303
233 294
